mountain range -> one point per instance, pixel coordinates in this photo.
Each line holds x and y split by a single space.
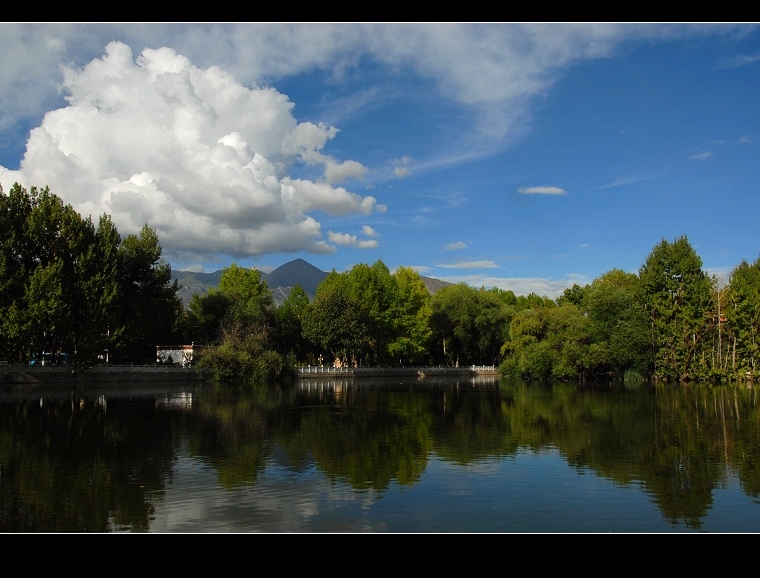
280 281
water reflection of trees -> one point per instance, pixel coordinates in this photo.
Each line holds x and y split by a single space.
87 463
79 464
679 443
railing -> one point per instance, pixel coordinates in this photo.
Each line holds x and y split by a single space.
330 370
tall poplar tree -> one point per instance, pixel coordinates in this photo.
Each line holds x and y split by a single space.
288 324
410 318
149 303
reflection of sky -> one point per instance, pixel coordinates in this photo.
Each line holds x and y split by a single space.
527 492
280 501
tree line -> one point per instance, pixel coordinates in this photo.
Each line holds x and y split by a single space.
669 322
66 284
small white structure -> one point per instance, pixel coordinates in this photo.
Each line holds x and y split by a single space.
181 355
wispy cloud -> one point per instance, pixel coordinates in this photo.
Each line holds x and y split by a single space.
542 190
631 180
740 60
456 246
470 265
703 156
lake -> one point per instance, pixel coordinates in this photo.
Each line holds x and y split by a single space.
380 455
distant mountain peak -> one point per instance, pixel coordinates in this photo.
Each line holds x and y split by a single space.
296 272
280 281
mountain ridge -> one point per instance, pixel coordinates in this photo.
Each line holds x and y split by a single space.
280 281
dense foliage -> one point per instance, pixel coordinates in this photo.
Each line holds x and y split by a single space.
239 316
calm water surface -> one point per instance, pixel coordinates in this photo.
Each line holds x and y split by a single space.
369 455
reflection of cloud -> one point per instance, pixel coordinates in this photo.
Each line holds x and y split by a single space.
544 190
195 501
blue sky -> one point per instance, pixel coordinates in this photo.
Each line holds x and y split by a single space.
522 156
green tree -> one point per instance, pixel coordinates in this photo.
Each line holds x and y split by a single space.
149 304
410 318
574 295
675 292
21 254
491 326
526 352
547 342
250 295
469 324
237 320
743 318
375 288
288 324
568 338
58 275
337 321
205 316
70 286
619 336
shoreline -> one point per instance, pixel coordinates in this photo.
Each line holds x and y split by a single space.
61 374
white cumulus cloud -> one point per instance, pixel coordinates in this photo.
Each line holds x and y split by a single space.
198 156
347 240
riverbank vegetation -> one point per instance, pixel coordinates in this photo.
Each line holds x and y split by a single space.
68 285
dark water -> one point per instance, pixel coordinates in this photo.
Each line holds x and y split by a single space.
368 455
